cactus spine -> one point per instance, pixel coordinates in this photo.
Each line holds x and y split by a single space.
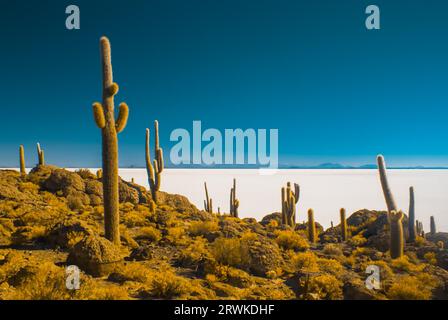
433 229
289 201
22 160
411 222
208 203
396 234
344 233
390 202
311 226
154 169
234 202
104 116
40 155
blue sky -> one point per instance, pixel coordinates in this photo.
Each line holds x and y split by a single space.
336 91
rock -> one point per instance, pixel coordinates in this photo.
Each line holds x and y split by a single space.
127 194
141 253
439 236
65 181
277 216
264 255
95 255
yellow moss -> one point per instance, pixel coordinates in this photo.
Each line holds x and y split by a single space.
290 240
134 219
149 233
321 287
410 288
202 228
430 257
403 264
232 252
357 240
305 262
331 266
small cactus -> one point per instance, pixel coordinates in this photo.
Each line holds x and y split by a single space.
433 229
411 221
396 234
440 244
99 174
289 201
40 155
208 202
104 116
155 168
234 202
388 196
311 227
22 160
344 233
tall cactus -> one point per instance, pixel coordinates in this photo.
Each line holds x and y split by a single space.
344 233
234 202
154 169
22 160
396 234
289 201
411 221
104 116
433 229
40 155
208 202
388 196
311 226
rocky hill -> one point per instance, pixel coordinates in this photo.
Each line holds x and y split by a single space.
52 218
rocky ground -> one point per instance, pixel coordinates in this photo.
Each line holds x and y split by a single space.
52 218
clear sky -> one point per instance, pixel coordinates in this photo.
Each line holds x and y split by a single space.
336 91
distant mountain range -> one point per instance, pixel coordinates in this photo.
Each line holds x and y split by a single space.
328 165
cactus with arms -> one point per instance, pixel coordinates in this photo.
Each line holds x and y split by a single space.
289 201
208 202
22 160
234 202
396 234
104 116
155 168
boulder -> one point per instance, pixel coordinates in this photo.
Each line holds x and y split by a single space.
95 255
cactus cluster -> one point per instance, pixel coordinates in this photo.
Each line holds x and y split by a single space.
155 168
419 228
104 116
40 155
289 201
234 202
312 235
344 231
208 202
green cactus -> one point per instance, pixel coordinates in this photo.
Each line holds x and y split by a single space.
311 227
208 202
433 229
390 202
154 169
289 201
40 155
22 160
411 221
396 234
104 116
234 202
344 233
